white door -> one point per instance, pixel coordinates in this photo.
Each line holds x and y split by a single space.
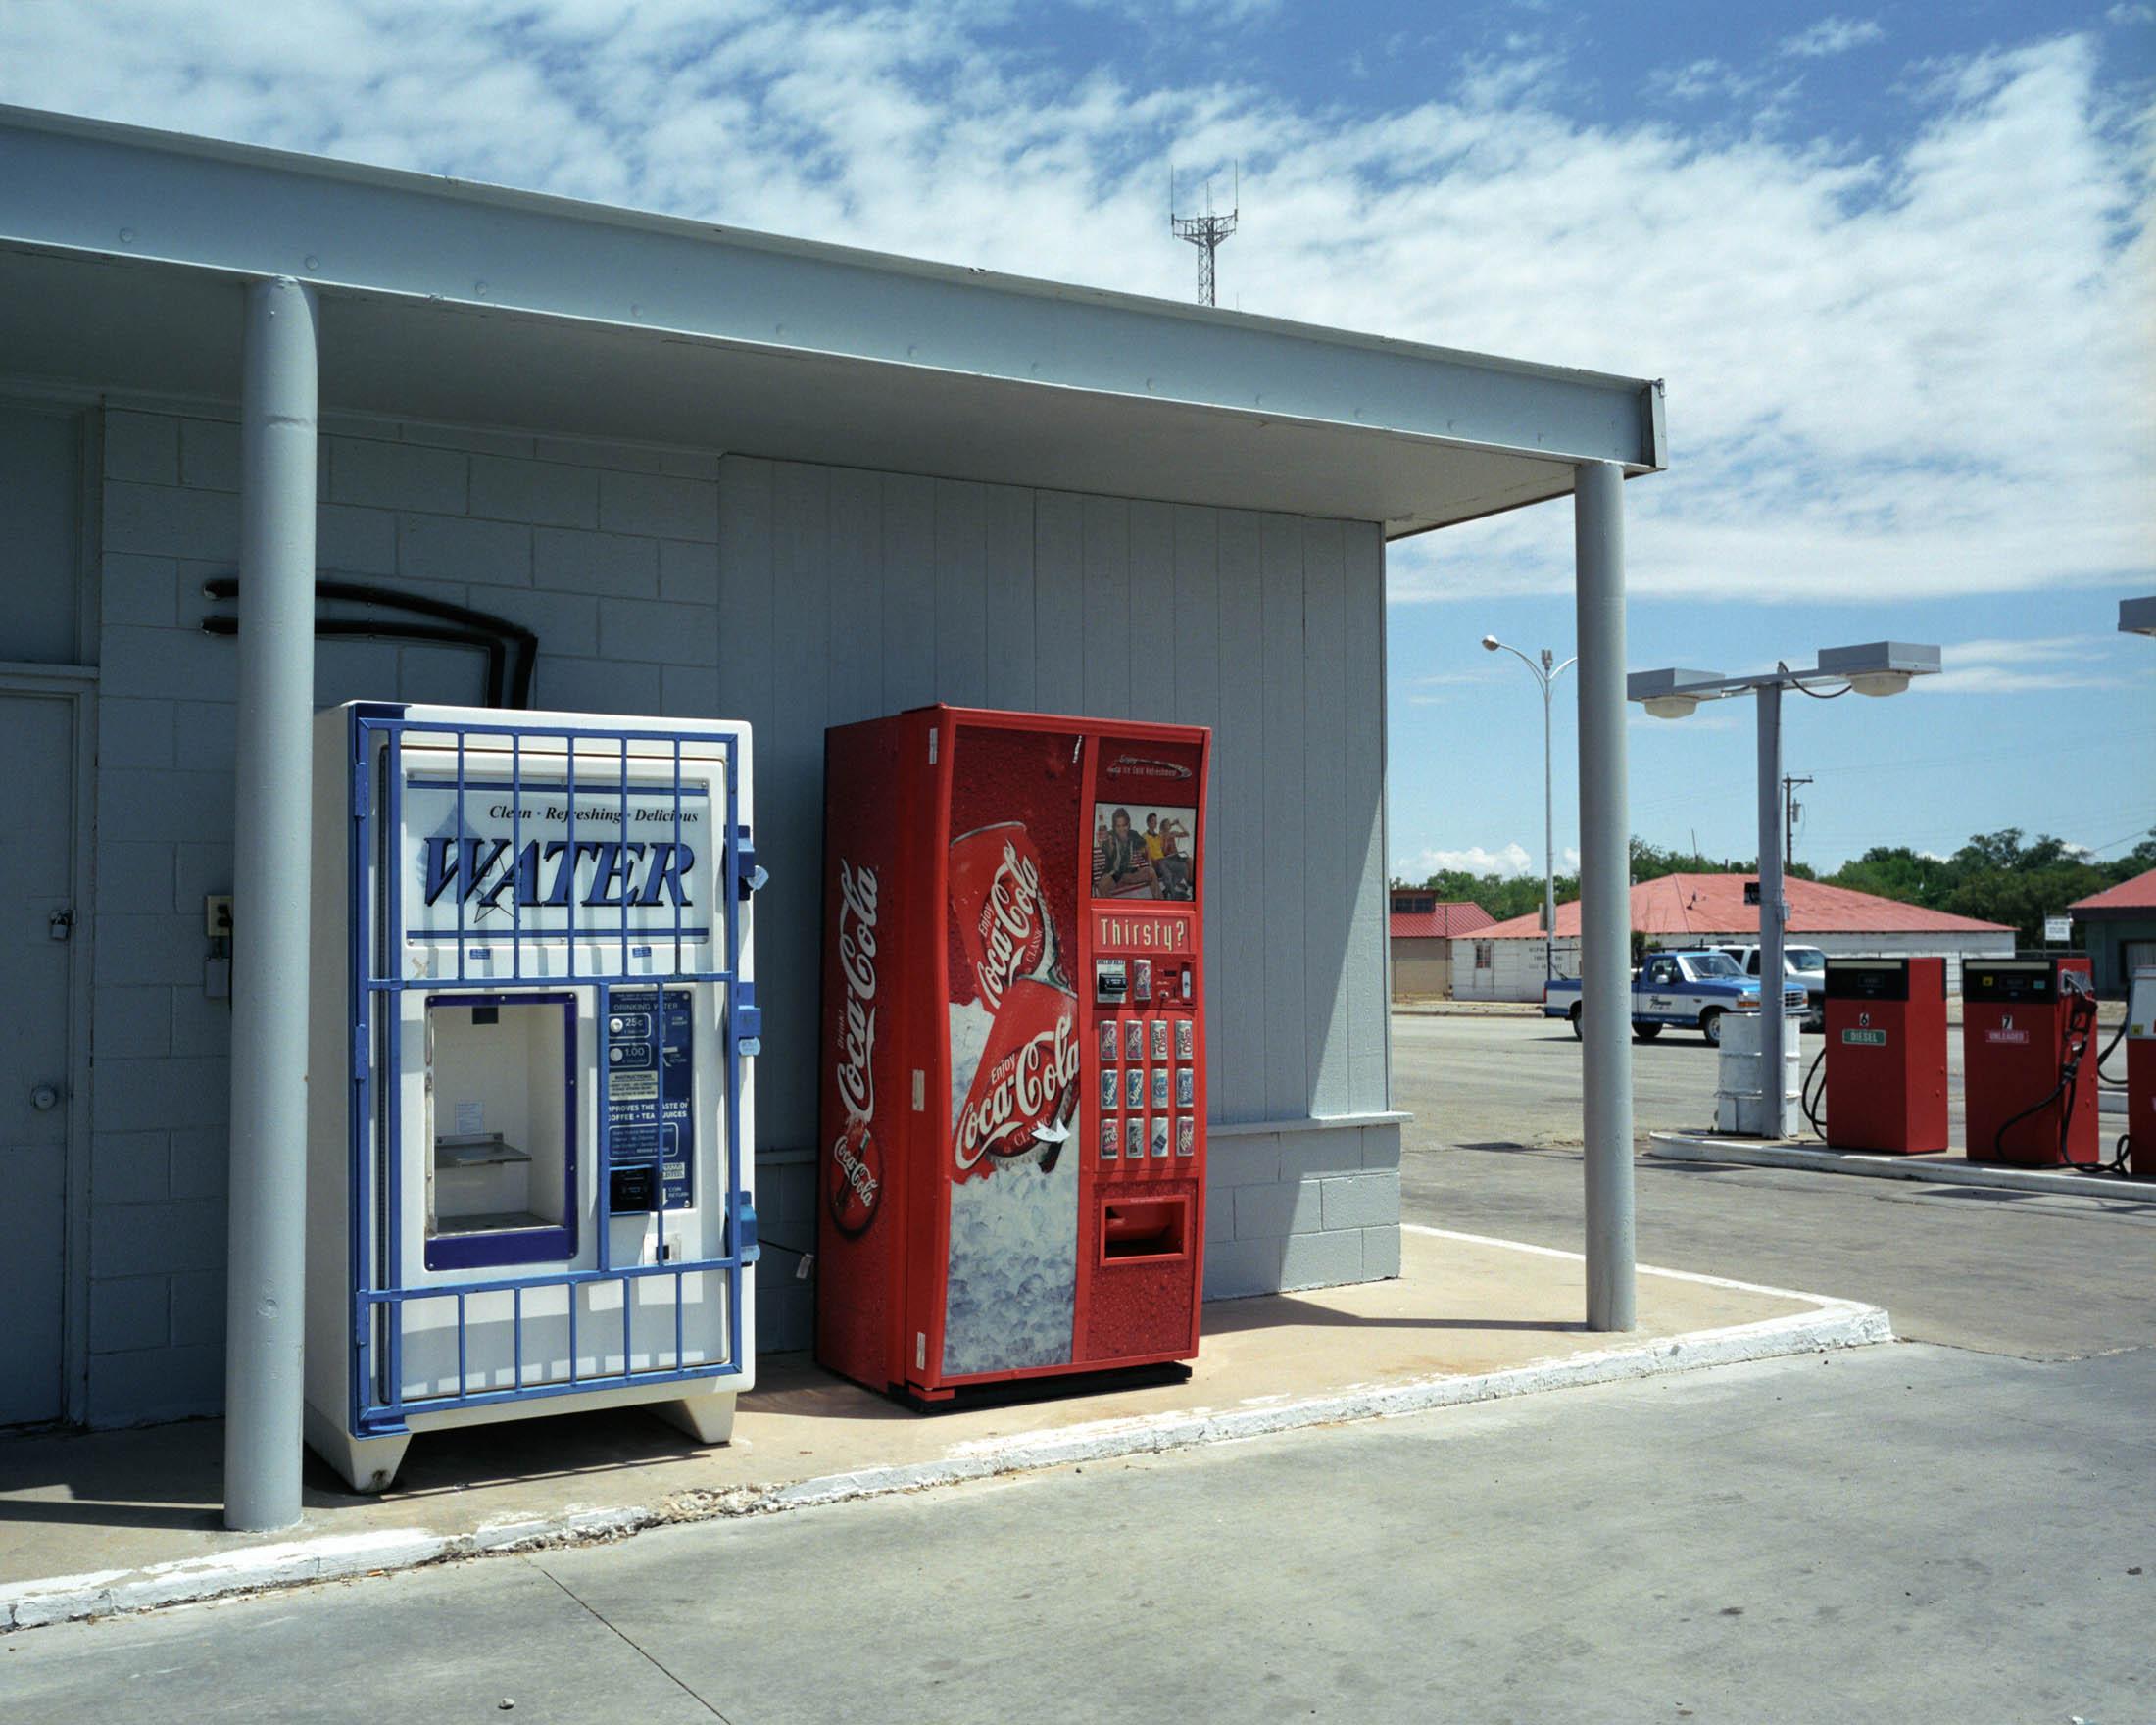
36 875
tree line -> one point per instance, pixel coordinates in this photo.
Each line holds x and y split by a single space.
2000 876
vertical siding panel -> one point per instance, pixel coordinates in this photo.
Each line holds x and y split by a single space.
908 592
1363 666
1286 837
855 549
1196 549
746 529
1008 599
789 797
1326 900
1059 602
961 593
1152 611
1107 622
1237 916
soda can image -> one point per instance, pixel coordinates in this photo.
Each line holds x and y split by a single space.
1159 1087
1185 1087
1133 1039
1186 1136
1024 1097
1141 979
1159 1039
1160 1137
1134 1087
1109 1086
1107 1041
1110 1135
996 903
1186 1039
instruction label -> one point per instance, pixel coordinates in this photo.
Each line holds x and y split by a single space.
650 1086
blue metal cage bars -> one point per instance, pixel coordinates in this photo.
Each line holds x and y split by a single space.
378 939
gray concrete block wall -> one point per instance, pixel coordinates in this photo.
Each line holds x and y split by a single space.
1301 1209
607 552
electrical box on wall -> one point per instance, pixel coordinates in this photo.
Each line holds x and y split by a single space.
530 1173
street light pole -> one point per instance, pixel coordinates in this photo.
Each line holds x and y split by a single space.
1547 678
1772 1030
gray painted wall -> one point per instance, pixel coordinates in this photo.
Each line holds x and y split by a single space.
667 582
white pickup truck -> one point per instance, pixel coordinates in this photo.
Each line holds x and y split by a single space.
1688 990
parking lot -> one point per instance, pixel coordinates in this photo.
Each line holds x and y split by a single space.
1495 1148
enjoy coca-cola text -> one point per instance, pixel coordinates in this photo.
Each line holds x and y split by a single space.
1011 916
1024 1093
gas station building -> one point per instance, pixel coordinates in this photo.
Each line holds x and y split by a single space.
713 473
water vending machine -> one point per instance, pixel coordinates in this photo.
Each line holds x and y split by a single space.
1013 1116
529 1178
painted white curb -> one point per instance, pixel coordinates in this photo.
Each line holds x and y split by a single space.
1830 1323
1701 1146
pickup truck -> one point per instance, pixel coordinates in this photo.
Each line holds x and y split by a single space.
1688 989
1804 964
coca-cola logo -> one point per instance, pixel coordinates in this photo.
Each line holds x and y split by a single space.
1145 767
1013 923
1028 1091
856 1163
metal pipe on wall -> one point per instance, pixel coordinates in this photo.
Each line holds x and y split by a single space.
1605 894
265 1297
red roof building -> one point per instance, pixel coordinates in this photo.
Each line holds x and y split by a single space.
2130 898
1441 922
1698 906
2118 926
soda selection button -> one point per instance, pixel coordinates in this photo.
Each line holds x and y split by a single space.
1109 1135
1141 979
1133 1039
1107 1087
1186 1136
1186 1039
1107 1039
1185 1087
1160 1137
1134 1087
1159 1039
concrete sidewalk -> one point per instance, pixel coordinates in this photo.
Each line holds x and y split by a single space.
118 1521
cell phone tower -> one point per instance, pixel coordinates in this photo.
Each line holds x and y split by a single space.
1205 232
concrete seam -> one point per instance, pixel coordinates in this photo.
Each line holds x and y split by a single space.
1699 1147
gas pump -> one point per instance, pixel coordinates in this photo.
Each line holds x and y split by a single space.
2140 1075
1885 1056
2027 1026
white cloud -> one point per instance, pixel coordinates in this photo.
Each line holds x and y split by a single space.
1832 36
2123 15
1930 370
2000 666
1510 859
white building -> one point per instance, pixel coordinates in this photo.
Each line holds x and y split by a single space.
712 474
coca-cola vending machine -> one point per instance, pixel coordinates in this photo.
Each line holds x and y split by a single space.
1014 1115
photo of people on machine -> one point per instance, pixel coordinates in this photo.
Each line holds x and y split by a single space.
1142 852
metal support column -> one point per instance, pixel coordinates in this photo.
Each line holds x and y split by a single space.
265 1300
1605 894
1774 1115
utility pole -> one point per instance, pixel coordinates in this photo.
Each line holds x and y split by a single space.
1789 809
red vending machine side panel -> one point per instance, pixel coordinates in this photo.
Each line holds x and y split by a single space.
865 1096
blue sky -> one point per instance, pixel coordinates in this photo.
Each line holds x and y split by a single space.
1894 262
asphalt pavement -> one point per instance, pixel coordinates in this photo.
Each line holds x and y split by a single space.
1950 1528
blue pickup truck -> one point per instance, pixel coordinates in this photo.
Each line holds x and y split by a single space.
1690 991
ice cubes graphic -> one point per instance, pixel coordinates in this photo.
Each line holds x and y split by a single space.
1010 1299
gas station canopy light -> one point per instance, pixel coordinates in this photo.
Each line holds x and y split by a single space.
2138 616
1880 667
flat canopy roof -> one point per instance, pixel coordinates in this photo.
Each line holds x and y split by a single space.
120 248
